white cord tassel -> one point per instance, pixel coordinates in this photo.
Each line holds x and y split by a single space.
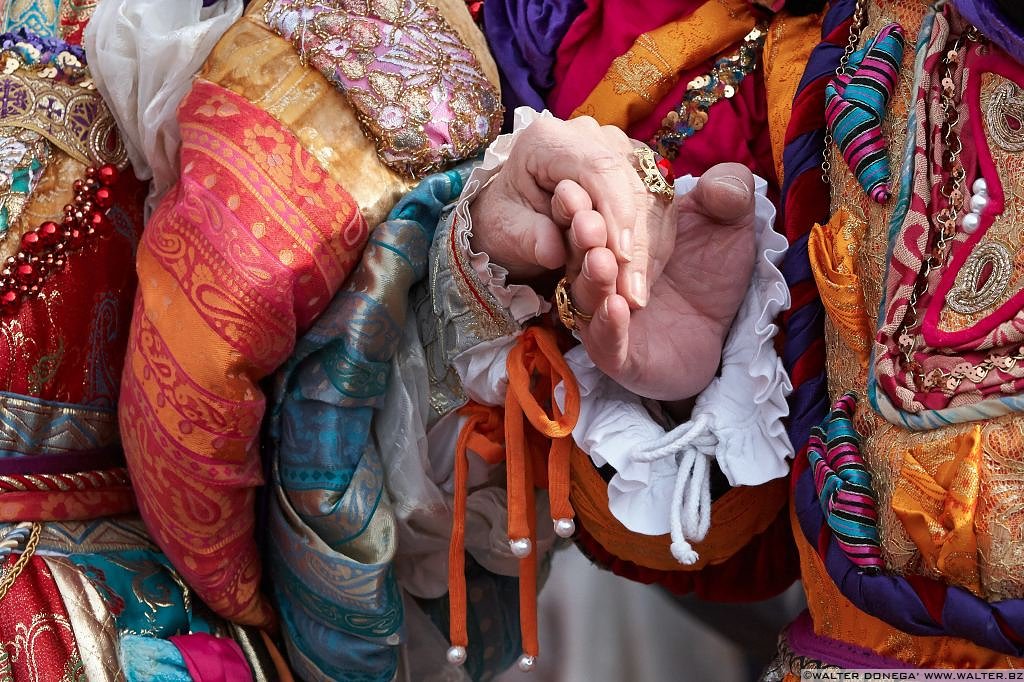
694 443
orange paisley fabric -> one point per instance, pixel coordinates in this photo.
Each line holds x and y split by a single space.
238 259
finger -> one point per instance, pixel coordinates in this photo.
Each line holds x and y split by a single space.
580 151
588 231
725 194
606 338
545 243
622 200
567 200
596 280
531 244
632 279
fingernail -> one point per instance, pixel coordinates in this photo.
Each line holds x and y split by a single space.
559 207
538 254
586 265
638 283
626 245
605 313
735 185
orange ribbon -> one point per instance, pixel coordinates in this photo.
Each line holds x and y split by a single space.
535 367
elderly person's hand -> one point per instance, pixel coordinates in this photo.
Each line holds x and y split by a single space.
670 350
536 213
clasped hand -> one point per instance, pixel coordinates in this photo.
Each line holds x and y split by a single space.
662 279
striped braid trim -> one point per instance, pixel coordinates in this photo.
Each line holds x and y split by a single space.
856 103
843 484
76 482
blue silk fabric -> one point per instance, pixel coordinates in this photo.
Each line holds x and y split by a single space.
332 533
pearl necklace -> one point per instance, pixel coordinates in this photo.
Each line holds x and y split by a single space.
979 200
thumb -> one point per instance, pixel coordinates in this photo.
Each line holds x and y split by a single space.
724 194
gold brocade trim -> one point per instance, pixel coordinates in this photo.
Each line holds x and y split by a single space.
968 296
98 536
92 623
73 118
38 428
640 70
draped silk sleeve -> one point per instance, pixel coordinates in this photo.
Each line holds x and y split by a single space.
279 180
235 261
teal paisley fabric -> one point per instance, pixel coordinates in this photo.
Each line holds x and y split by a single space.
332 535
332 529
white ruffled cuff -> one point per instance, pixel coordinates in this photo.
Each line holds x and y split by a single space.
519 299
737 419
746 403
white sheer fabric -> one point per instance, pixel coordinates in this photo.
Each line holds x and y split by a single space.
143 55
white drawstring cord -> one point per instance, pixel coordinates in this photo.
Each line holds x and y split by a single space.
690 516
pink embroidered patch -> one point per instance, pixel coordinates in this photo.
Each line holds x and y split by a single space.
417 89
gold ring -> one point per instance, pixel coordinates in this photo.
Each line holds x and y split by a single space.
568 313
650 174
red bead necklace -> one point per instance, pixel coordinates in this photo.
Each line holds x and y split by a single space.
44 250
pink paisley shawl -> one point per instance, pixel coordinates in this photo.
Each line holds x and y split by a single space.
238 258
962 391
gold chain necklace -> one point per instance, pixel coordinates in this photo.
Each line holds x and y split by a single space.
857 24
19 565
952 192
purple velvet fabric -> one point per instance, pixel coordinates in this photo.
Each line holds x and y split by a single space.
804 326
992 21
802 641
523 36
21 464
894 600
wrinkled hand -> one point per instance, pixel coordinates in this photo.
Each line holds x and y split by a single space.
671 349
528 217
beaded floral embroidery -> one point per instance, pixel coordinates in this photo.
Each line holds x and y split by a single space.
417 89
45 87
703 92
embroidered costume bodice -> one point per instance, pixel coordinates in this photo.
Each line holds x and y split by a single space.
70 217
908 514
